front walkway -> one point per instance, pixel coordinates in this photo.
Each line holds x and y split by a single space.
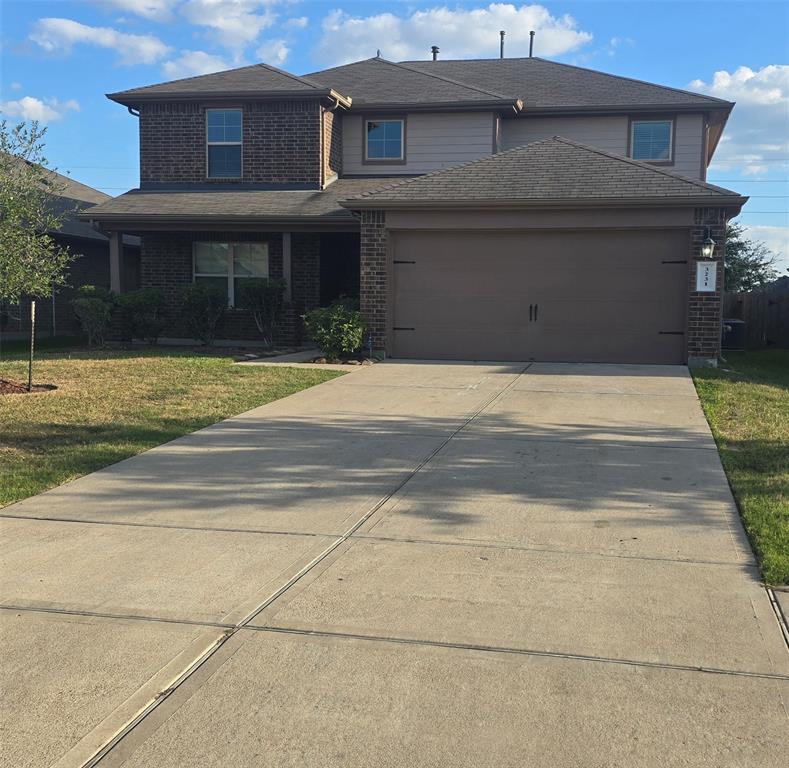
412 565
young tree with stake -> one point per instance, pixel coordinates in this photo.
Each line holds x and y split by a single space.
32 264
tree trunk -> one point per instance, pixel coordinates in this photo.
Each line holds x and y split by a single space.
32 344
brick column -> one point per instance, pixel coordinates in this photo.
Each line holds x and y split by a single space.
373 283
704 309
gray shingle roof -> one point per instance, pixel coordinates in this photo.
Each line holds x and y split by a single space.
540 83
380 82
205 205
550 84
550 170
256 80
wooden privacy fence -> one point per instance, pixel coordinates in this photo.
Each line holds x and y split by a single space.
765 312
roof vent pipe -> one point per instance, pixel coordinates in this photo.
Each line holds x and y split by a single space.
434 51
531 43
501 45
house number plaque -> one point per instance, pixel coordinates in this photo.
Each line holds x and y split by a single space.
706 273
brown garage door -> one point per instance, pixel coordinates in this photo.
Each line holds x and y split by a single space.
615 296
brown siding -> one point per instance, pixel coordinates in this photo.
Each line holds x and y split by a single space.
281 143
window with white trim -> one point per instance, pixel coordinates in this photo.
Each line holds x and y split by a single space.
229 265
223 143
651 140
384 140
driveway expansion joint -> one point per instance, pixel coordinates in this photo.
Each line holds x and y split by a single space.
518 652
230 631
546 550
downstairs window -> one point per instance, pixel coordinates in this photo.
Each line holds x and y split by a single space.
229 265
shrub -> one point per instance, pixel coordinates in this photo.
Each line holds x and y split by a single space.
263 297
93 307
338 330
203 307
142 314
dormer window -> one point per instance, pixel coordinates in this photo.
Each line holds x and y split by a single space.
223 143
651 140
384 141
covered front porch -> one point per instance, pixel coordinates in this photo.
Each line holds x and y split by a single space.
303 237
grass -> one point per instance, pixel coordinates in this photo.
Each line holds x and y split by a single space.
746 402
110 405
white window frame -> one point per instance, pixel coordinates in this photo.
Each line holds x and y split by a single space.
224 144
400 120
230 274
670 159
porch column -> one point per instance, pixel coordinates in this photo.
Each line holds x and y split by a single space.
286 265
374 277
115 262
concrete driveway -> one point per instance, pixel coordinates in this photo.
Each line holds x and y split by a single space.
412 565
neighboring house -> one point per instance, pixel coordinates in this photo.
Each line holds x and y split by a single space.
91 264
506 209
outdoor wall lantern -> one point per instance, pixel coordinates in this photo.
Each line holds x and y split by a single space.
708 246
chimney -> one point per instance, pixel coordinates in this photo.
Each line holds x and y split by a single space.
501 45
531 43
434 51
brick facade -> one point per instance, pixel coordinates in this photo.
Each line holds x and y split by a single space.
166 263
281 143
705 309
373 279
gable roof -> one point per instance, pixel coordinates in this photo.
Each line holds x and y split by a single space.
552 85
553 171
377 83
258 80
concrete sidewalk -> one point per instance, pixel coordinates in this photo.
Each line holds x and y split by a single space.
417 564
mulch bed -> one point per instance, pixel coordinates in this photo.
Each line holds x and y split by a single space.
15 388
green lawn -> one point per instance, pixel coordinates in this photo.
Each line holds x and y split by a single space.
747 405
110 405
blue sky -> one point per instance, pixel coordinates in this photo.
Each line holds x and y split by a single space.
59 58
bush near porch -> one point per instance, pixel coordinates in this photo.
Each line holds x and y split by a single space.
746 402
110 405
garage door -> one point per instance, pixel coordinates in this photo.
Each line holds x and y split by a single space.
616 296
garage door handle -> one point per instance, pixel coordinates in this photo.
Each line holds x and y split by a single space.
536 307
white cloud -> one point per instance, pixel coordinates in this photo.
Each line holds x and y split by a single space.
60 35
155 10
776 239
616 43
300 22
45 111
233 23
460 33
15 86
273 52
756 139
191 63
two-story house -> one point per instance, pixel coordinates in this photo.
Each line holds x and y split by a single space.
504 209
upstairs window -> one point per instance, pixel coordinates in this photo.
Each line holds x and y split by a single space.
651 140
384 140
223 139
228 265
